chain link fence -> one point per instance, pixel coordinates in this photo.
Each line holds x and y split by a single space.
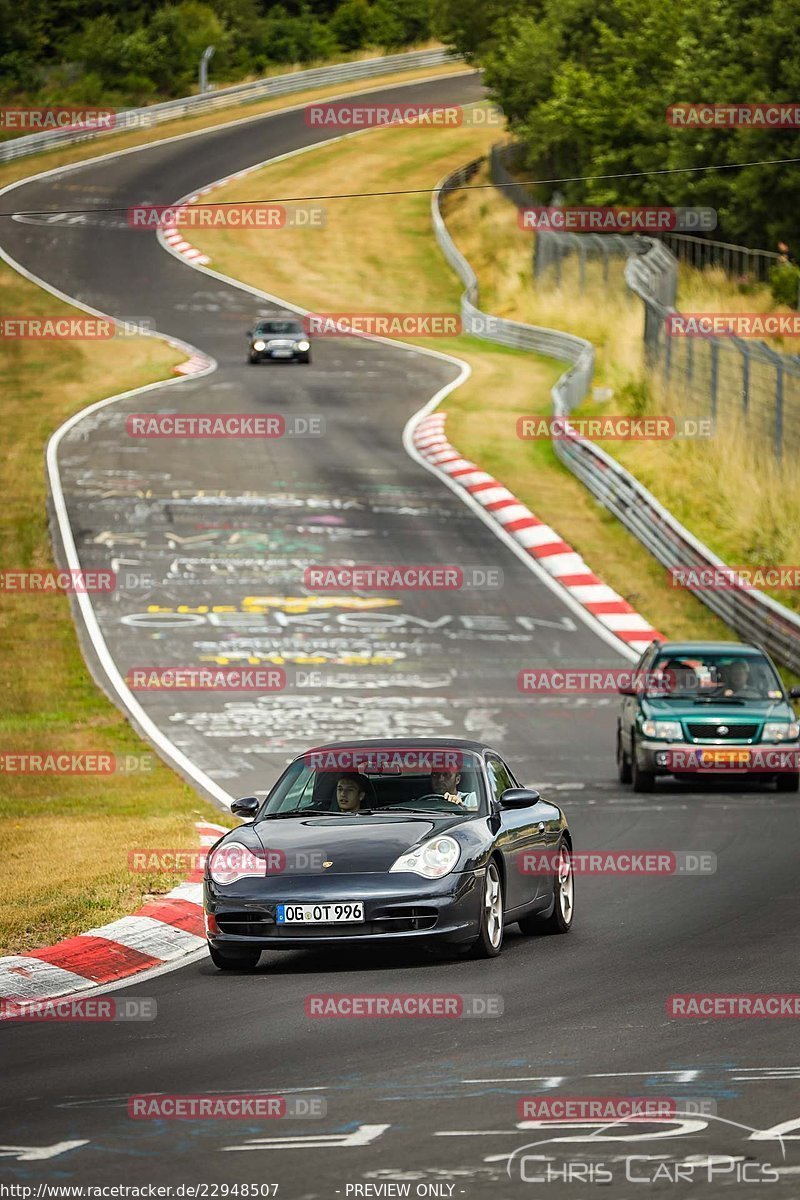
738 261
734 381
728 379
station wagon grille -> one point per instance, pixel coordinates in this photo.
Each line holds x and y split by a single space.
735 733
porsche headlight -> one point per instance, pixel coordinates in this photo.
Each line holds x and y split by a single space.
432 860
781 731
259 345
668 731
303 346
234 861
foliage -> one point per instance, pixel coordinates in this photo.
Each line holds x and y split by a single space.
101 52
784 282
586 89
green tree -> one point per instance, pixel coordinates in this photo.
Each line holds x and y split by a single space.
351 24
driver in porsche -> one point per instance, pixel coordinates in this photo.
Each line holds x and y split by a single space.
445 783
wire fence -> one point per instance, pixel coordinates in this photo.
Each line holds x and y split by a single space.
243 93
738 383
738 261
751 614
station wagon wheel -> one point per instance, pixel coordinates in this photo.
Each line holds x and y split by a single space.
624 773
643 781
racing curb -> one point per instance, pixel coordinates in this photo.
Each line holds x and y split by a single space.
171 234
160 932
538 540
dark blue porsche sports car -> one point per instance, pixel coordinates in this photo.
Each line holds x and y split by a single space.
427 839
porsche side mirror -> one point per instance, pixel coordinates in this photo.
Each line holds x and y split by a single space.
518 798
246 807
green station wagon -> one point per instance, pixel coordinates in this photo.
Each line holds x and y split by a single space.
707 709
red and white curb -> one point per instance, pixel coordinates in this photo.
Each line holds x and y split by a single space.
175 239
544 544
194 365
163 930
172 236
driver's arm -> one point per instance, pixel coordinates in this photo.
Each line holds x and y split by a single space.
466 800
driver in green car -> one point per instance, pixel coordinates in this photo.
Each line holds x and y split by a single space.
445 783
737 680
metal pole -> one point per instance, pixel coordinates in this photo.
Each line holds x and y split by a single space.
714 347
202 74
667 351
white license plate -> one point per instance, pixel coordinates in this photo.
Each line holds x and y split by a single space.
319 914
282 353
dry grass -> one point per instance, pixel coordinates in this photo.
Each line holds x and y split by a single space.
755 524
378 254
65 838
485 227
373 252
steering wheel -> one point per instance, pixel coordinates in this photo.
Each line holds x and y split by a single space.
436 796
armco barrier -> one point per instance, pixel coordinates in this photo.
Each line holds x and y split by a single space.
754 616
242 93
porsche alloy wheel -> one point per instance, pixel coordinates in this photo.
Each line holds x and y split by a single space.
490 939
560 919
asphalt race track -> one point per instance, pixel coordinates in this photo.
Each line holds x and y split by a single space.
211 524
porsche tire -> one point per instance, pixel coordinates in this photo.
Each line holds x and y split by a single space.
243 959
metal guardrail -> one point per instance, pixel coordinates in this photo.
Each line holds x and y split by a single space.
754 616
243 93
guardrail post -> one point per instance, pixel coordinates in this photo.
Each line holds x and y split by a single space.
779 411
667 353
745 378
714 346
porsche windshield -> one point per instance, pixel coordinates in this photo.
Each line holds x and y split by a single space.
347 781
719 677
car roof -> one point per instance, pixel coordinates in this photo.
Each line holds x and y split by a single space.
430 743
744 648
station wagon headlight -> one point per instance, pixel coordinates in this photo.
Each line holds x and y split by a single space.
432 860
781 731
667 731
259 345
303 346
233 861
